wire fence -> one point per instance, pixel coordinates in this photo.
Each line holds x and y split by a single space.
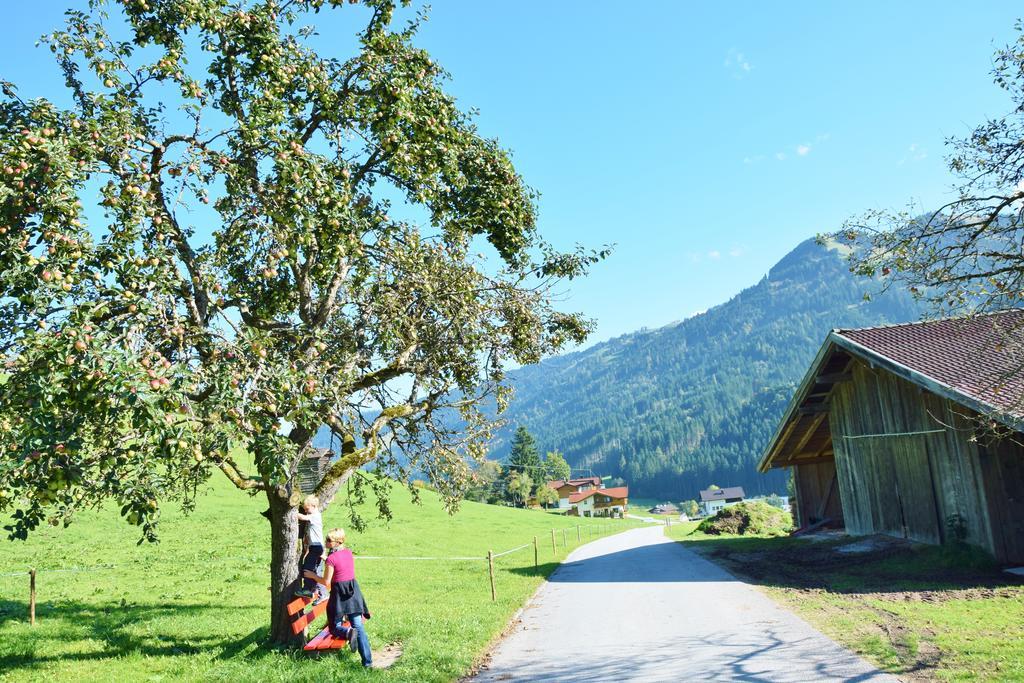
508 552
593 530
62 570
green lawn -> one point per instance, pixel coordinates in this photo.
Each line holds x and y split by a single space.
195 606
931 613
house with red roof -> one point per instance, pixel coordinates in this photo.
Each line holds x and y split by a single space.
610 502
913 430
567 487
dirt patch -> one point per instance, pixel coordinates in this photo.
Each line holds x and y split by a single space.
917 652
386 657
872 544
947 595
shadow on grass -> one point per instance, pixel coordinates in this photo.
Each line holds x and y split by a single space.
543 570
895 566
117 628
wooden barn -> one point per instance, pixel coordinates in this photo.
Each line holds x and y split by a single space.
891 431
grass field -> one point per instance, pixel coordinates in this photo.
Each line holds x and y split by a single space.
921 612
195 606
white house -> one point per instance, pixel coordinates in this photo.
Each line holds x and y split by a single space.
713 500
613 502
582 504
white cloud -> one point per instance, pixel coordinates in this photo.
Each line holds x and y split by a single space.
737 63
736 252
914 153
714 254
800 150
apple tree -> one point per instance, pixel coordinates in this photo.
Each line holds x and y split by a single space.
219 240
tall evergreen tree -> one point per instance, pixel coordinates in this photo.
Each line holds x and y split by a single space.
525 458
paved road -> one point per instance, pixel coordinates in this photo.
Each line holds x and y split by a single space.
639 607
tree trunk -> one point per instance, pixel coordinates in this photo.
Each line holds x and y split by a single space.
284 569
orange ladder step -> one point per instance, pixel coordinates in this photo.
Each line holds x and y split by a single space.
300 623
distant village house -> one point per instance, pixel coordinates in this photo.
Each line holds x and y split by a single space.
713 500
884 437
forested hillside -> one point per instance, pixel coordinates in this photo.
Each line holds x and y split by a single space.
693 403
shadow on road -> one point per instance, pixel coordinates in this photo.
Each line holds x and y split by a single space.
661 563
721 656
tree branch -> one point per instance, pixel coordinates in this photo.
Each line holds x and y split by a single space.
235 476
199 301
396 368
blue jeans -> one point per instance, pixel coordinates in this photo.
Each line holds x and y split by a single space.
311 562
362 640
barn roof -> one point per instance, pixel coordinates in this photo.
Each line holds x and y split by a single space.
975 361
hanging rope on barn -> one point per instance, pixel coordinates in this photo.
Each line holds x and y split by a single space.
878 436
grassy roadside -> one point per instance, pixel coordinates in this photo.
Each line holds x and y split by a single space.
195 606
921 612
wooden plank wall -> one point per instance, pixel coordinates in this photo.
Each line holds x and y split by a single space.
905 485
1002 464
812 486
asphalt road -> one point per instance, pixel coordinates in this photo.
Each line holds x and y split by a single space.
639 607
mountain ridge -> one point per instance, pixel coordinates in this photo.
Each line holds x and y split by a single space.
691 403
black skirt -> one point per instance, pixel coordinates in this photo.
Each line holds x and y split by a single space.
346 598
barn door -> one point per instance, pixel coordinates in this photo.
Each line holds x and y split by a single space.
1002 466
915 488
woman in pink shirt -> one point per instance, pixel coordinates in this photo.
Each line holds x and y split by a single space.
345 600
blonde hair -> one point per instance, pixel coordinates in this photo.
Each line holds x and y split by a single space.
310 501
336 536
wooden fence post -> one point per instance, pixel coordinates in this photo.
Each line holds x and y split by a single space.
32 596
536 557
553 551
579 539
490 570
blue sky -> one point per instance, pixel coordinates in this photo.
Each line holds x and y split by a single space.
705 141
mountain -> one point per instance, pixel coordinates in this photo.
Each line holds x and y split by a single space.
693 403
